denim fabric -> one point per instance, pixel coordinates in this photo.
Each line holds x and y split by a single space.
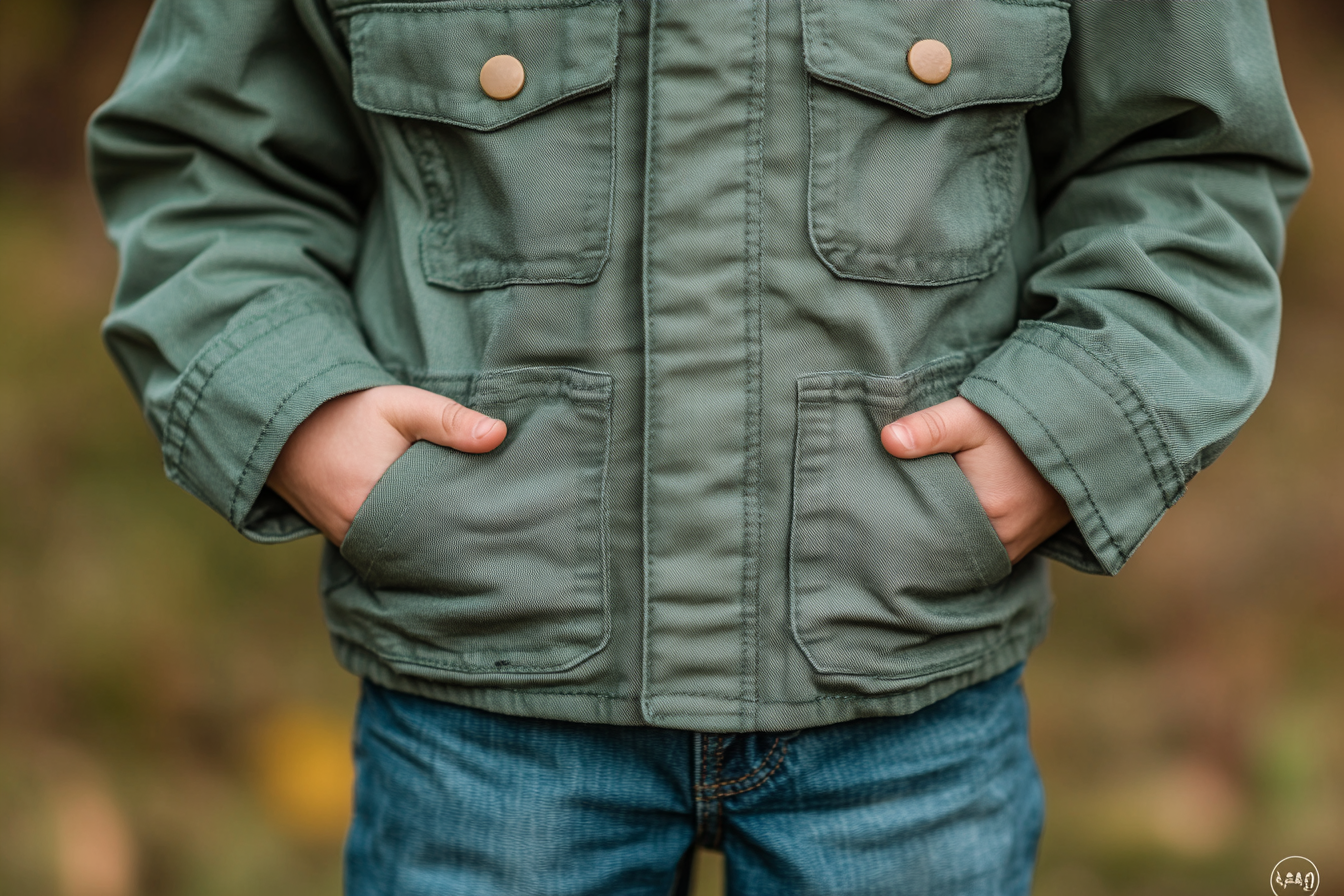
454 800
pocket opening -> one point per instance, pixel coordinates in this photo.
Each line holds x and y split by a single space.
894 568
493 563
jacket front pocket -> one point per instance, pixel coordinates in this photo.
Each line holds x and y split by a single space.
518 190
916 183
494 562
892 562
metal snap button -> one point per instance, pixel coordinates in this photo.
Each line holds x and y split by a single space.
930 61
502 77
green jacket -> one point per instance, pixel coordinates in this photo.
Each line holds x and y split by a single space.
695 264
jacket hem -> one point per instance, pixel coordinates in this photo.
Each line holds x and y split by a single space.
689 712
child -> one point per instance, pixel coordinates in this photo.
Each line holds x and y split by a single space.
691 392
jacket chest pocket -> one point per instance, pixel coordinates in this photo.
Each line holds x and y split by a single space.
892 563
917 183
518 188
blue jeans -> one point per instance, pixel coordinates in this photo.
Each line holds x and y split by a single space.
451 800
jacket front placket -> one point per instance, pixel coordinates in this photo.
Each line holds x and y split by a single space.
701 285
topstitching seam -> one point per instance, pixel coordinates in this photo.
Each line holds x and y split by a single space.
261 436
752 258
760 765
1068 462
650 180
779 763
1119 378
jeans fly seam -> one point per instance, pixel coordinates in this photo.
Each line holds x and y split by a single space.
778 764
762 764
704 768
715 837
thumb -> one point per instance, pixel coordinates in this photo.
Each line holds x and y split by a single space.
946 428
421 414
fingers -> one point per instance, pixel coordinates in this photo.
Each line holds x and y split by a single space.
946 428
420 414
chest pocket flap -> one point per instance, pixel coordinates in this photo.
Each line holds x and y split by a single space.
1003 51
424 60
916 183
517 189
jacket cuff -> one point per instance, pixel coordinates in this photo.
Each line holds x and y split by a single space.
248 389
1088 431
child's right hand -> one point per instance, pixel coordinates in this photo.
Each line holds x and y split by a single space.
332 461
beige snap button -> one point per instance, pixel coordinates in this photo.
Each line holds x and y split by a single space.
930 61
502 77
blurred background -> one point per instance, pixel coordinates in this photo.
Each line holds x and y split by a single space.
171 721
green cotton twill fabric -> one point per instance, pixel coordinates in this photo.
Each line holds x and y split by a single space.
696 264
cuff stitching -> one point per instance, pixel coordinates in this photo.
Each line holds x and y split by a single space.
202 369
1170 493
233 516
1068 462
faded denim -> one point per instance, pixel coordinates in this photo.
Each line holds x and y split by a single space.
452 800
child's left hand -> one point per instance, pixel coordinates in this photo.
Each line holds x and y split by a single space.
1024 509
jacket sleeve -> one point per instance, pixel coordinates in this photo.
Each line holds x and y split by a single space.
232 178
1165 171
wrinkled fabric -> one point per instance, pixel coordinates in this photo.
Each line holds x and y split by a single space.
696 264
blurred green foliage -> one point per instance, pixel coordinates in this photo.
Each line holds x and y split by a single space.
171 721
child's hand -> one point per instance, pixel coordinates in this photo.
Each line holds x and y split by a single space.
332 461
1024 508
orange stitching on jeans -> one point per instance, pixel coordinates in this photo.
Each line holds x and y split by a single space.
774 746
782 753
